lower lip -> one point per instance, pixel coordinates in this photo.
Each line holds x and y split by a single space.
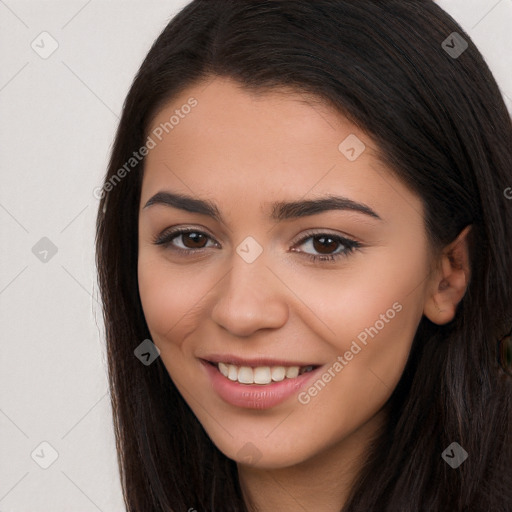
255 396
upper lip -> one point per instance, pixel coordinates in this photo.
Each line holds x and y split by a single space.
254 362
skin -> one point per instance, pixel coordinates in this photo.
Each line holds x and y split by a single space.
243 151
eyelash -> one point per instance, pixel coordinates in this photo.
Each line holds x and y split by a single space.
164 239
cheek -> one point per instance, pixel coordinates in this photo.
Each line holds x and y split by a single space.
371 315
385 293
374 325
168 297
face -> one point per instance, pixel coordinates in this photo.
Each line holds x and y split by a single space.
301 250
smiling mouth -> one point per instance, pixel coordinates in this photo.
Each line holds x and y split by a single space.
262 375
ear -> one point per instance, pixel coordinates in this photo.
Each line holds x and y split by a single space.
449 283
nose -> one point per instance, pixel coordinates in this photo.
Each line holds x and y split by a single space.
250 297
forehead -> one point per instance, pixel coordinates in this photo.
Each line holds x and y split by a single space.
240 146
286 123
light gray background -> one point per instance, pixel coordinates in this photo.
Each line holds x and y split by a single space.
58 118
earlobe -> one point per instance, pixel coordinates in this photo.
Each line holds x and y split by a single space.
449 284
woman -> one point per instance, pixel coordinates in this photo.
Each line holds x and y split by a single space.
303 246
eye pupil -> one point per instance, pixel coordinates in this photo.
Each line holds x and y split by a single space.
327 247
195 238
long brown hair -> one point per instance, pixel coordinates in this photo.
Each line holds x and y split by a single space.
442 126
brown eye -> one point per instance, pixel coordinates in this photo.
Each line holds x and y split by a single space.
325 244
327 247
185 240
193 240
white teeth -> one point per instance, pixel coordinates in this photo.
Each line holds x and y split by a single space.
224 369
261 374
292 372
245 375
232 372
278 373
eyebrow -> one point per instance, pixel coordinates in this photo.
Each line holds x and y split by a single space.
279 210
